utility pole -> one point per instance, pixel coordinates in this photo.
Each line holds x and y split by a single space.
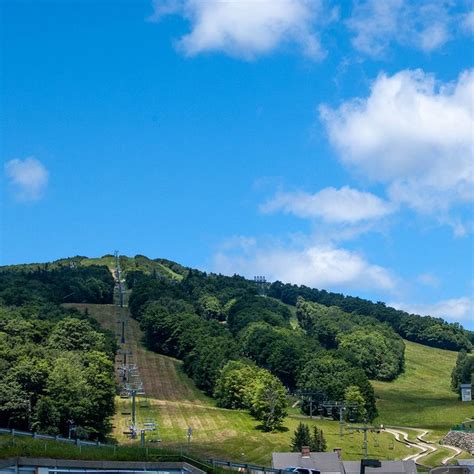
365 429
190 434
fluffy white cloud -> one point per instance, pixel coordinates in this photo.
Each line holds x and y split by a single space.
323 266
423 24
29 177
455 309
247 28
412 133
344 205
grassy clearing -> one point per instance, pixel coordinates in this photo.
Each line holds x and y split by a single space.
176 404
421 397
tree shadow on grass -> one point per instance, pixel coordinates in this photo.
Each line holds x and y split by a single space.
280 429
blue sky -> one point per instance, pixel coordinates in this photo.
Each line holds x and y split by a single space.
318 142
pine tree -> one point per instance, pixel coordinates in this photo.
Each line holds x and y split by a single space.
456 374
315 440
301 437
322 442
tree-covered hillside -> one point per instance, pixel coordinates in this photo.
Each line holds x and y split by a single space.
434 332
296 338
56 364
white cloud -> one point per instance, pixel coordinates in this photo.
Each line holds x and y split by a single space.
323 266
344 205
429 279
413 134
467 23
454 309
29 177
247 28
423 24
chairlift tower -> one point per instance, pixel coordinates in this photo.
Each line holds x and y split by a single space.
366 430
118 277
311 396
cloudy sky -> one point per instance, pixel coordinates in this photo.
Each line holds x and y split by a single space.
316 142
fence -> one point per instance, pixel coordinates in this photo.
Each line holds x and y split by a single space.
152 454
211 464
77 442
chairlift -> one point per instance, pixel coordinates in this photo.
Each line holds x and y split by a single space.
144 403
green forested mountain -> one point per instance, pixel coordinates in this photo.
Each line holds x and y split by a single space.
244 349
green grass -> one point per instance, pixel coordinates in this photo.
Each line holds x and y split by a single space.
177 404
127 264
421 396
11 446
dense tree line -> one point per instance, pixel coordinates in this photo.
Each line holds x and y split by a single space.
434 332
463 371
91 284
56 364
362 340
56 369
211 321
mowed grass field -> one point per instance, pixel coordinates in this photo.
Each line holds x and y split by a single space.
176 404
421 396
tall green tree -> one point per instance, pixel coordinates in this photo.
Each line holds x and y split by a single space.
354 397
269 401
301 437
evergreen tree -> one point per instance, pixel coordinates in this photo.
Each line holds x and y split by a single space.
315 440
301 437
322 442
462 371
318 442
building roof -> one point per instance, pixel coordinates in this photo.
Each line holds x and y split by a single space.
330 463
388 467
323 462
